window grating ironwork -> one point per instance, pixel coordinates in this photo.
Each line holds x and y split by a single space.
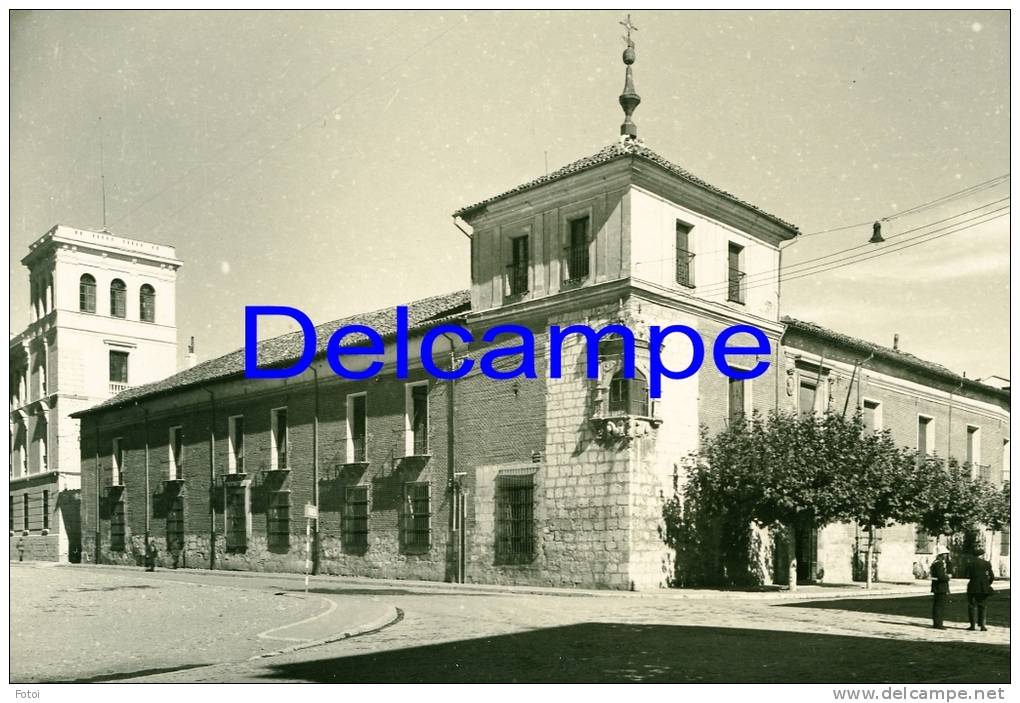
416 517
117 526
236 518
175 524
684 255
355 534
577 252
278 520
515 538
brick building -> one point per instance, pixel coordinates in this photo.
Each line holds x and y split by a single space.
530 480
98 303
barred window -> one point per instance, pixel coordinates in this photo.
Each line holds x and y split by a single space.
923 542
175 524
118 298
629 395
147 303
118 525
46 510
278 523
236 518
87 293
416 517
684 255
520 262
24 511
577 253
737 288
515 531
355 534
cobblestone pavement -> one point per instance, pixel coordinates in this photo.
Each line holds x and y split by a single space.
482 636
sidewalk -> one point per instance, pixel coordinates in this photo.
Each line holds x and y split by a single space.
804 592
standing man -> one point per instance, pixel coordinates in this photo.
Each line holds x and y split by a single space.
979 587
939 586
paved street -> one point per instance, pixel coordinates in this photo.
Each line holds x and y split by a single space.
201 627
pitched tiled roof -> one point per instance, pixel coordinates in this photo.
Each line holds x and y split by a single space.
619 150
288 347
888 353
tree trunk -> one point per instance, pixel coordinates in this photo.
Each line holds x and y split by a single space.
867 556
792 546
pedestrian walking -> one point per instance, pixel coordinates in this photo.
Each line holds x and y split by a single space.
979 587
939 586
150 555
20 546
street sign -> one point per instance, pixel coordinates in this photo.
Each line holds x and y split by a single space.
311 511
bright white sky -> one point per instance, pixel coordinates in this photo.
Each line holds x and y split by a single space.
313 159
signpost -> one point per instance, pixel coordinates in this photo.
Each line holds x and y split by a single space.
311 513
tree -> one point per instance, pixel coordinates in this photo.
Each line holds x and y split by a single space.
949 500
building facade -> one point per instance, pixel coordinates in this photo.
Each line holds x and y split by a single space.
102 320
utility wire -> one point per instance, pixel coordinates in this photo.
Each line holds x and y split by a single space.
991 183
808 262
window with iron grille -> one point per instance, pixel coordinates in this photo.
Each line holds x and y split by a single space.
46 510
736 400
416 517
118 524
515 530
24 511
1004 542
236 518
923 542
684 255
417 419
355 534
577 252
736 288
147 303
235 439
118 298
357 428
118 367
176 450
87 293
175 524
278 438
517 271
278 520
628 396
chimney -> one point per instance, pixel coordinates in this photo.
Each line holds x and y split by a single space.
191 352
895 341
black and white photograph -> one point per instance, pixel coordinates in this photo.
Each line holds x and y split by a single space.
483 346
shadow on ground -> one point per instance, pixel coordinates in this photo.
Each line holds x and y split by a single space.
354 591
998 613
610 652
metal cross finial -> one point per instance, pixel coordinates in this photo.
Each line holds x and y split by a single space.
629 28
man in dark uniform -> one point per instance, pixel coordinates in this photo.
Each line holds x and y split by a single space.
939 586
979 587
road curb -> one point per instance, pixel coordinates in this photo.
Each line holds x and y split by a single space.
380 623
836 593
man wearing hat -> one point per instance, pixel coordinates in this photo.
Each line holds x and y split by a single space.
979 587
939 586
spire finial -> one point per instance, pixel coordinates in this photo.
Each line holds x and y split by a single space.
629 99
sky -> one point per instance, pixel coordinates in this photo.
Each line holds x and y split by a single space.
313 159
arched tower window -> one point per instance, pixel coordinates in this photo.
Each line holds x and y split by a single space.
147 303
629 395
118 298
87 293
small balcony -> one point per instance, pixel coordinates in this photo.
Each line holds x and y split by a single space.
685 268
116 388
